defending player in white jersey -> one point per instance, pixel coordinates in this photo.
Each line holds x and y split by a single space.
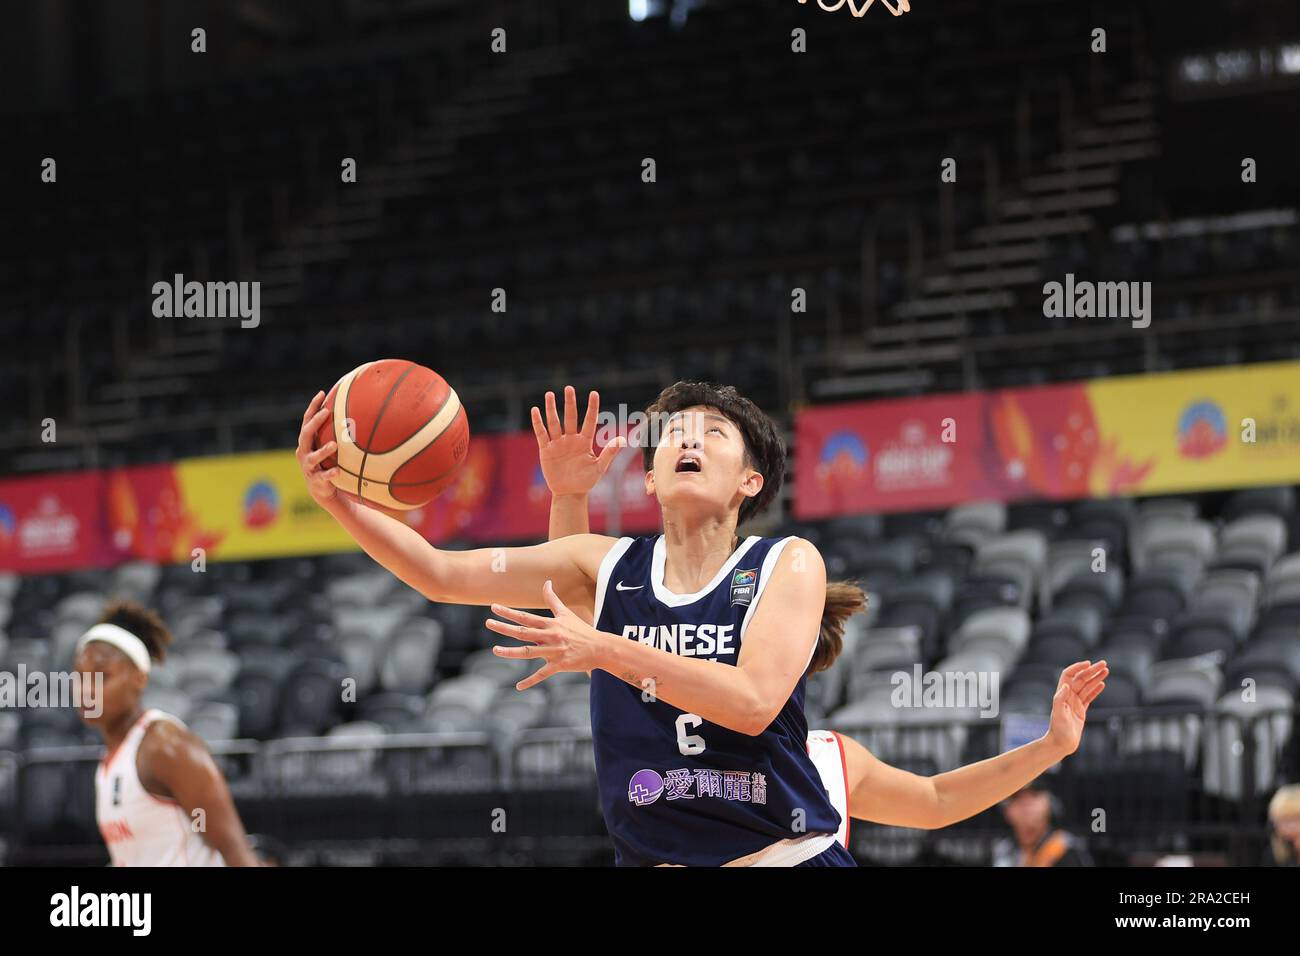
160 799
860 785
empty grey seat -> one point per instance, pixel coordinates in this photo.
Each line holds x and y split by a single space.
1264 532
1194 681
409 661
66 635
1267 663
1279 501
973 523
470 691
886 648
1065 560
1159 593
32 654
175 702
571 708
1187 545
205 671
1003 631
1024 550
377 622
1267 720
1103 591
214 720
1227 587
1286 569
364 590
136 581
361 656
502 671
83 607
10 723
513 711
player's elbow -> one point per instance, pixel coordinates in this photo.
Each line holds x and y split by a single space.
758 716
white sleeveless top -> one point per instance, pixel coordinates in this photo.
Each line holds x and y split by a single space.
142 829
827 753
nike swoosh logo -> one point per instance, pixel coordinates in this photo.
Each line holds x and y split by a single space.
619 587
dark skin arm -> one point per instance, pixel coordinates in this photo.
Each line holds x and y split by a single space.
174 764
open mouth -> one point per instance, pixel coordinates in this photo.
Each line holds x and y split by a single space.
688 464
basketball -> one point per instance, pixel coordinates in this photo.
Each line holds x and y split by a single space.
402 433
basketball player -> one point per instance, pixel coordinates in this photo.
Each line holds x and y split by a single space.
859 785
698 727
160 799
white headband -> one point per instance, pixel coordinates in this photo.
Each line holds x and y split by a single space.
122 639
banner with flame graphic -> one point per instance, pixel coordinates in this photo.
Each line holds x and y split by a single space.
1132 435
245 507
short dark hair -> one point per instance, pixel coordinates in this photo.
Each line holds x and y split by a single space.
764 449
143 623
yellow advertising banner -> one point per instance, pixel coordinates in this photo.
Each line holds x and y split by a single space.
260 506
1199 430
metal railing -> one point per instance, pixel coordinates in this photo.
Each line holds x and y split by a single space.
1175 781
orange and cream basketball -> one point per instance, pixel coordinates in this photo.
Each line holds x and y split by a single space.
402 433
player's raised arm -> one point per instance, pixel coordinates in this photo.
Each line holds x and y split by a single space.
568 465
480 576
884 794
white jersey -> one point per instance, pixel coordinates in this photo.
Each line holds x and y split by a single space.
142 829
827 753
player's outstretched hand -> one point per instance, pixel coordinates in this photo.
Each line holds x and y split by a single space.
565 642
564 449
319 481
1080 684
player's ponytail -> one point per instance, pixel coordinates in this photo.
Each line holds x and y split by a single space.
843 600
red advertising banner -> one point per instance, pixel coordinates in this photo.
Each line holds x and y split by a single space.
53 523
246 507
1144 434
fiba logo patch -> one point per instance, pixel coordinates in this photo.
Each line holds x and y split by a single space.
742 586
645 787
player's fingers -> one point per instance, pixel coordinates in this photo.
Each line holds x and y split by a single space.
516 631
593 413
329 474
1091 677
570 410
553 600
1086 677
312 406
1089 697
320 454
536 678
552 417
1069 673
526 618
521 653
539 429
609 452
309 430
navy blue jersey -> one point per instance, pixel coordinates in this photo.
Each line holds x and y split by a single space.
673 787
